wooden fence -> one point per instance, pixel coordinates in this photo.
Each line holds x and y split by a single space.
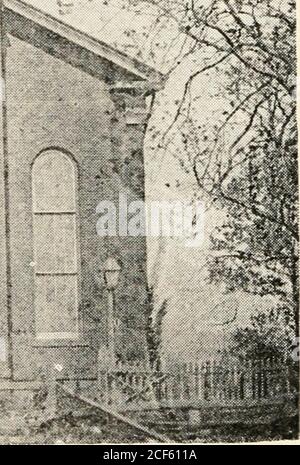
227 381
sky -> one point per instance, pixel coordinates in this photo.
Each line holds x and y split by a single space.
109 21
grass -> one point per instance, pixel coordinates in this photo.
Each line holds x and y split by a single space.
99 429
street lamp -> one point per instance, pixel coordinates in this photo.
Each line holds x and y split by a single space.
111 271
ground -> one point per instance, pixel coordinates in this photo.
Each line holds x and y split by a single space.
99 429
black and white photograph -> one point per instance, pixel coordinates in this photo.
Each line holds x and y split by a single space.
149 241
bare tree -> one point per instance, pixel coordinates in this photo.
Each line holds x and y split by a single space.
246 161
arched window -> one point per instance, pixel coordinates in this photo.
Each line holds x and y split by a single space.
54 195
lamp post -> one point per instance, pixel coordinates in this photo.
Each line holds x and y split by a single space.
111 271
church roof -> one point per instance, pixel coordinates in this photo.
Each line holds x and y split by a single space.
101 31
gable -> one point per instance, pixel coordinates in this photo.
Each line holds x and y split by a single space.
74 46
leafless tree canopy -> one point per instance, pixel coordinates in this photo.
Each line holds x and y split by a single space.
245 160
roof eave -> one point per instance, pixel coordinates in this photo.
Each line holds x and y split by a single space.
132 65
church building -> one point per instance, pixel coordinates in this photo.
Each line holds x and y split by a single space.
73 119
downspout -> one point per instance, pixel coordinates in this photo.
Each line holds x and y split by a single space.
3 53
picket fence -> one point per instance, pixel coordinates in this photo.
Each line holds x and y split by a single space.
227 381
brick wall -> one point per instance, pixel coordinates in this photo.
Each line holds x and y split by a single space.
52 104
